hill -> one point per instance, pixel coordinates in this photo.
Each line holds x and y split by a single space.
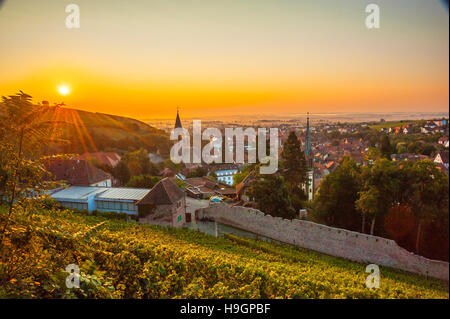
129 260
84 131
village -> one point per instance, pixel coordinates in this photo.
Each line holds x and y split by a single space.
179 190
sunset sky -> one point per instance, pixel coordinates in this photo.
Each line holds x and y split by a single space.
211 57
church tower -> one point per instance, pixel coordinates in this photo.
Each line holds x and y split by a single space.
178 121
309 160
308 144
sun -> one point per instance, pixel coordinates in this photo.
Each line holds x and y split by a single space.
64 90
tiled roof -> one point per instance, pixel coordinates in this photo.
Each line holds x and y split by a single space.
165 192
75 172
107 158
444 156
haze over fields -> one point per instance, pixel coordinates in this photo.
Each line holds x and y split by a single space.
144 58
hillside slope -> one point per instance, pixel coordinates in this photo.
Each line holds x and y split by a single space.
87 131
130 260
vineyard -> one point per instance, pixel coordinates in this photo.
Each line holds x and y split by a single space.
128 260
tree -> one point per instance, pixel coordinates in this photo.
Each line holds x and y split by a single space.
143 181
22 132
271 196
121 172
294 170
372 154
385 146
430 195
380 180
138 163
239 177
197 172
172 166
367 204
336 197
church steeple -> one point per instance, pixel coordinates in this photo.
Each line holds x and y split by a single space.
309 160
308 138
178 121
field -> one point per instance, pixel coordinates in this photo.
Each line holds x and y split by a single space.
128 260
396 124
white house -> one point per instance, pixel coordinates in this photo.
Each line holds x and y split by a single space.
225 173
442 158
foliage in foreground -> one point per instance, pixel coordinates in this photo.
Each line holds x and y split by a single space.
129 260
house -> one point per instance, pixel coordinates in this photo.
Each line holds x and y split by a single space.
106 199
225 173
77 173
165 205
442 168
407 130
204 188
444 141
110 159
330 165
442 158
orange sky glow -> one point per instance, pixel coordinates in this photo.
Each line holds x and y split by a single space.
144 58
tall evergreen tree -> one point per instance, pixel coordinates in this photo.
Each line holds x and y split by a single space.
294 169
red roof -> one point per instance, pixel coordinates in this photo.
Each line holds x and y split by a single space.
106 158
75 172
165 192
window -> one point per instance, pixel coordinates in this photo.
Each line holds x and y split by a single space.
179 219
75 205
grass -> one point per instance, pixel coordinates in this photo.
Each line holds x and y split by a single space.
130 260
396 124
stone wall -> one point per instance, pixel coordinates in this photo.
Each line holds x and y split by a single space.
332 241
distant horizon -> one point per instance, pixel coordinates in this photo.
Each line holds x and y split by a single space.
214 58
265 115
255 116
